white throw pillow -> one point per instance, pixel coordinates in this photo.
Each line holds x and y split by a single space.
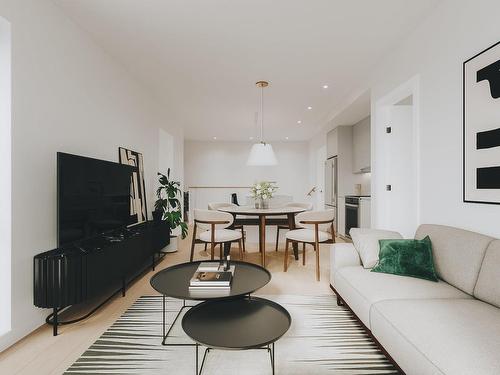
366 243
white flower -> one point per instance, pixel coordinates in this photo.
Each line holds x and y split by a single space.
264 196
257 186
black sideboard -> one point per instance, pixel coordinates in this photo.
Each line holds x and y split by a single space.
86 269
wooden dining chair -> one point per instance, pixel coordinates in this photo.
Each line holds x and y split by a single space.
217 205
306 206
213 225
316 227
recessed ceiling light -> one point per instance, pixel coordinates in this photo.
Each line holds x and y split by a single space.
325 86
286 138
309 107
299 122
215 138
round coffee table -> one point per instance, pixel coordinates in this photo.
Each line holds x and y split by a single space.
174 282
237 324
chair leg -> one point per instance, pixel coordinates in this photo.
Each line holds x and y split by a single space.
303 253
240 242
206 247
285 264
220 251
192 243
316 246
243 237
212 250
277 237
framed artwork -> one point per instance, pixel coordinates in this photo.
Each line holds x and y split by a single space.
138 207
481 127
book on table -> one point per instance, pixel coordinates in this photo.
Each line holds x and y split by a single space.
211 276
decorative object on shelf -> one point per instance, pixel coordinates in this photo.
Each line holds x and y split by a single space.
262 153
137 186
168 203
262 192
481 127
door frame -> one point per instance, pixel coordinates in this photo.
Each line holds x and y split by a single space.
380 108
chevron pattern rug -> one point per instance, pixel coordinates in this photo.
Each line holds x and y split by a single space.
323 339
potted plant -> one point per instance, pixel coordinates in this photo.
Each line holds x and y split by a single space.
168 208
262 192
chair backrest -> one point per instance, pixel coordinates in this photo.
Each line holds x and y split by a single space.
234 199
306 206
204 218
216 205
324 215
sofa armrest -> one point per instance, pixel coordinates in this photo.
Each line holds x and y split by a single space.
342 255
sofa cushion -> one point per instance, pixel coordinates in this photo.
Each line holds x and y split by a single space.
458 254
361 288
439 336
488 283
411 258
365 241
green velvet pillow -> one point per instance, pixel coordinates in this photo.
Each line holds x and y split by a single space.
407 258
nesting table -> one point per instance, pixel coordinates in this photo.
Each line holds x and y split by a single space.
228 319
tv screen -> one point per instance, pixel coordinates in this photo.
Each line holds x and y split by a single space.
93 197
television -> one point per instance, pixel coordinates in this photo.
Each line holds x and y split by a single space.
93 197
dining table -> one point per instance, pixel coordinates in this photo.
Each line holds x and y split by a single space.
247 215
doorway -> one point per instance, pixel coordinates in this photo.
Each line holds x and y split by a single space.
395 173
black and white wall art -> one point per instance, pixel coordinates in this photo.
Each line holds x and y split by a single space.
481 122
138 208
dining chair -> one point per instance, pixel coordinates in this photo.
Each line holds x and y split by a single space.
306 206
316 227
217 205
213 225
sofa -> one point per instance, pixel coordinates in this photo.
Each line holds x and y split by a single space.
447 327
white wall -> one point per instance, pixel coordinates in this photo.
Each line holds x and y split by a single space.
5 176
67 95
224 164
454 32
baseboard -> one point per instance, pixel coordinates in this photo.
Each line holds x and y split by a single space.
368 331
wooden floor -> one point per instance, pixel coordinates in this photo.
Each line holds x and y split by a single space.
41 353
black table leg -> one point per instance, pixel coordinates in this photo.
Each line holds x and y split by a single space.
165 335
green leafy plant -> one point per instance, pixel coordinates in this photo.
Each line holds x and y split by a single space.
168 202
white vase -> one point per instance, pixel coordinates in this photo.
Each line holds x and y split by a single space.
172 246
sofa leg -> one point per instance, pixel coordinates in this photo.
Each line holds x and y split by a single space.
339 301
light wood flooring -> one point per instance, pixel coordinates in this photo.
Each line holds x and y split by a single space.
40 353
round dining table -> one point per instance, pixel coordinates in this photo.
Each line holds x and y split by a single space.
261 214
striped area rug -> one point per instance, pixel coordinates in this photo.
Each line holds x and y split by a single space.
323 339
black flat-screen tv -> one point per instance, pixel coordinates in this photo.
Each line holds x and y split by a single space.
93 197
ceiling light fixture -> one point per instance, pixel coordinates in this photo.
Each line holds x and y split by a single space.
309 108
215 138
262 154
325 86
286 138
299 122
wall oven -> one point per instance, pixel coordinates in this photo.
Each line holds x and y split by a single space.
351 214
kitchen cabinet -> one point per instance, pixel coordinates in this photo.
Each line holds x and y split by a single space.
341 216
361 149
364 212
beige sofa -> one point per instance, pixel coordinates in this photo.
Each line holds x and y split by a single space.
448 327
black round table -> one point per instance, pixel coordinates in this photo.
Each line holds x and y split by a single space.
174 282
236 324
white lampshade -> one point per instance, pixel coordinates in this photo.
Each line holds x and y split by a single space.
262 154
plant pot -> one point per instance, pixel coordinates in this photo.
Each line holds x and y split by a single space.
172 246
157 215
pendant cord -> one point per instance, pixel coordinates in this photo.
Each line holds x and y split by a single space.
262 114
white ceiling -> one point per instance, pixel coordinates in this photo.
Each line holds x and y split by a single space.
202 57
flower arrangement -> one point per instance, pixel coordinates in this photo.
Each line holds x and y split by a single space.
263 190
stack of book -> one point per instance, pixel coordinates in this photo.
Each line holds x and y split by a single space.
211 276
